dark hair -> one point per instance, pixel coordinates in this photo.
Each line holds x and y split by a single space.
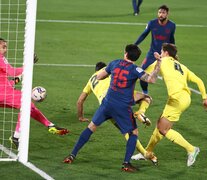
100 65
2 39
164 7
133 52
171 49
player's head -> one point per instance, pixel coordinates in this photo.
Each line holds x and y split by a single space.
132 52
169 50
3 46
163 13
100 65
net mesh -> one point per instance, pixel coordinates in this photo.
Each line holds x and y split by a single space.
12 24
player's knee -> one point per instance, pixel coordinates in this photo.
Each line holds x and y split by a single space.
134 132
92 126
148 99
163 132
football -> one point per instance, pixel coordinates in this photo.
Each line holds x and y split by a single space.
39 94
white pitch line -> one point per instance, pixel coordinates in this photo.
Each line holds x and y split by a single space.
38 171
14 157
87 65
66 65
102 22
113 23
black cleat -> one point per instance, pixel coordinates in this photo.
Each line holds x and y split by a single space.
127 167
14 141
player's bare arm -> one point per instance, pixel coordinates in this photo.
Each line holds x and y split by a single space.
102 74
80 103
151 78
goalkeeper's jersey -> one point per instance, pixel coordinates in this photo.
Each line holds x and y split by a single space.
98 87
6 71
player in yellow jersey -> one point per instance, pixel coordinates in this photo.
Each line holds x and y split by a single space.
175 76
99 89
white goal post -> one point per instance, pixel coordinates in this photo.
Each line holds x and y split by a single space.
30 24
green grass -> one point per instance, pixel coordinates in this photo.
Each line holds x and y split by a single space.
71 43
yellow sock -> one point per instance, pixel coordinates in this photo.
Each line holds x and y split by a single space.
143 106
177 138
139 146
155 138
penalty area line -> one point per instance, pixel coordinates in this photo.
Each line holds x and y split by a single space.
38 171
88 65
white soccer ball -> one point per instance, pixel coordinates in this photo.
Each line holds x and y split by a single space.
39 94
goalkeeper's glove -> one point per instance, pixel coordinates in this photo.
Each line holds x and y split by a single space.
35 58
17 79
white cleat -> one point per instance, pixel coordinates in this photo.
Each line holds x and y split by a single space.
142 118
149 156
192 156
138 157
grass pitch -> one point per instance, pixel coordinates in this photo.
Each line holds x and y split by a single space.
73 40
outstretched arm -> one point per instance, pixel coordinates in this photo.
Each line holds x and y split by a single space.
80 103
143 35
102 74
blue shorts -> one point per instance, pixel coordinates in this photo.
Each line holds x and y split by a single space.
148 60
122 114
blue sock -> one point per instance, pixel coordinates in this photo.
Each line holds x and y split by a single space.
144 86
84 137
130 147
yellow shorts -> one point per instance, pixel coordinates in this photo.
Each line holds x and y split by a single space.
176 104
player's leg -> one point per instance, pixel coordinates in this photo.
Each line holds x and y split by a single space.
139 146
178 104
127 124
83 139
138 5
144 101
98 118
144 86
178 139
130 147
148 67
39 116
134 5
154 139
12 99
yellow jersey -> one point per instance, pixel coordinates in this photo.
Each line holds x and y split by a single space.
98 87
176 76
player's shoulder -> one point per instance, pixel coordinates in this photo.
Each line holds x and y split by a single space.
153 21
183 66
114 62
171 23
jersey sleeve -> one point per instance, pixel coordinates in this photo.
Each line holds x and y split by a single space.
108 68
195 79
139 71
10 70
144 34
87 89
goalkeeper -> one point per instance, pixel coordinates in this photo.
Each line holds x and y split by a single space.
11 97
99 88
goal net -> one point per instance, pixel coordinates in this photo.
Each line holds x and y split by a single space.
17 27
